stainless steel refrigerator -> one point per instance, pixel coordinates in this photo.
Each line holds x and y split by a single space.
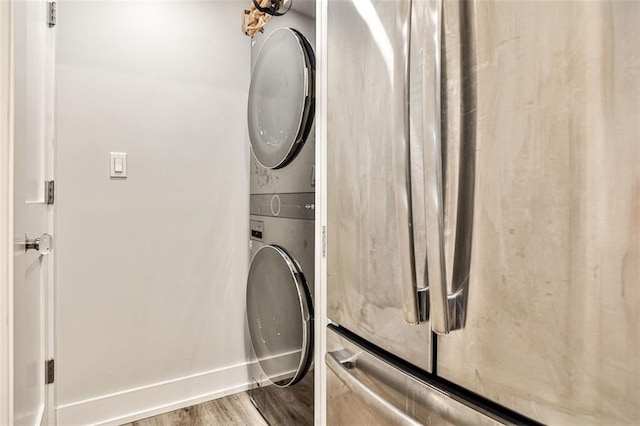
483 234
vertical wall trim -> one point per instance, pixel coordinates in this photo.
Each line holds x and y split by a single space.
6 213
320 395
50 292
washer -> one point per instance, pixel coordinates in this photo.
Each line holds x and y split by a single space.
280 286
281 111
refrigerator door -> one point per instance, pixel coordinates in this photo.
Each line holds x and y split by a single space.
362 389
373 276
552 325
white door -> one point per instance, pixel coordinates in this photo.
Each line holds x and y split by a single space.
33 133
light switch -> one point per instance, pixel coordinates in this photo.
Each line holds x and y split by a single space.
118 164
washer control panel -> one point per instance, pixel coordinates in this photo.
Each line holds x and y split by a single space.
292 206
257 229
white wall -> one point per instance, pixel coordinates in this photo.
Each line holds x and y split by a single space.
151 270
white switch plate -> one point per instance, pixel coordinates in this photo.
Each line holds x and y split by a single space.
118 164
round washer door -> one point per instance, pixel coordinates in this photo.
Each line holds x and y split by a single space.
279 316
281 98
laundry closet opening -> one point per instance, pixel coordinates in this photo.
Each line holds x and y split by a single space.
281 282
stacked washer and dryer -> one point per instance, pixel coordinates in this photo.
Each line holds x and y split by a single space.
280 284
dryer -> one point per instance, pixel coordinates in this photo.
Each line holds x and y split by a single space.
280 306
281 111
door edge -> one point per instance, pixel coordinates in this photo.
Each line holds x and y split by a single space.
6 212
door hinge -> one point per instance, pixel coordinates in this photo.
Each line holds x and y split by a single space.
52 14
49 371
50 191
324 241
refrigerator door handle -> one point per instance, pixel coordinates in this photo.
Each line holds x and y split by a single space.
448 303
337 362
402 169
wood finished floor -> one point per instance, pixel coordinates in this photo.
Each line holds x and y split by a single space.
232 410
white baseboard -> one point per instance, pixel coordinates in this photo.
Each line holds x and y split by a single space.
139 403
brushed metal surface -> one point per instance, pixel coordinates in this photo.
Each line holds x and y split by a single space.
419 402
298 175
553 322
293 206
448 228
369 253
296 236
386 409
424 113
401 152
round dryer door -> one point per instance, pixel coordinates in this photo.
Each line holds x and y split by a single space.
279 316
281 99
